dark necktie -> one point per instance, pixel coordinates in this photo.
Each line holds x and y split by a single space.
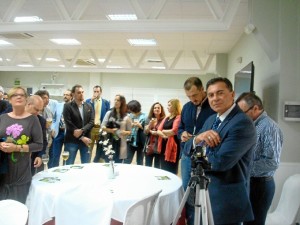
216 123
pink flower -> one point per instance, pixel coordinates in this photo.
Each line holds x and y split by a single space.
14 130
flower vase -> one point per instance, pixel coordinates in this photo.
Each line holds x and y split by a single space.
111 169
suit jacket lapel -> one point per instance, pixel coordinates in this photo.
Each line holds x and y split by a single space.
228 118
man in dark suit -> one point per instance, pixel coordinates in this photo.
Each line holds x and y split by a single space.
100 106
230 137
79 120
193 115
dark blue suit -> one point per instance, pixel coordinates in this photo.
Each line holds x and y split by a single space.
230 161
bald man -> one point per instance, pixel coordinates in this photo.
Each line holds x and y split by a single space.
34 106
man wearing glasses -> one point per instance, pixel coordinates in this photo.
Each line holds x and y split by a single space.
266 156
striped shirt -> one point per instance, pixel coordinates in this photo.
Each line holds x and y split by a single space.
268 148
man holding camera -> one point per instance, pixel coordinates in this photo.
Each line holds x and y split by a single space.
230 138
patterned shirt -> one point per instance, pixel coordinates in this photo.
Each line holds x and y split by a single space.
268 148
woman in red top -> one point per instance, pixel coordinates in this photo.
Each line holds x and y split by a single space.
168 143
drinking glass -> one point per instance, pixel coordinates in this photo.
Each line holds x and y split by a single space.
45 159
65 156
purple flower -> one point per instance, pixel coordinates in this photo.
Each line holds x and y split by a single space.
14 130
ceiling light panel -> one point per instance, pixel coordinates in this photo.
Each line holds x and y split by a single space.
2 42
27 19
122 17
142 42
65 41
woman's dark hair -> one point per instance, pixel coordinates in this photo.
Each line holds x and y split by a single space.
123 107
134 106
151 114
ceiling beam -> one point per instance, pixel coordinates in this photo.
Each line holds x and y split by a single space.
12 9
156 9
215 9
118 26
61 9
80 9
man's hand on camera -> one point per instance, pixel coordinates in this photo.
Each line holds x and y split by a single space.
210 137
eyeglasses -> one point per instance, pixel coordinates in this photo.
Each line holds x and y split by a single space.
249 109
18 95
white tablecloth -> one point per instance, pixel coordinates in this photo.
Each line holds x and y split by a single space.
86 195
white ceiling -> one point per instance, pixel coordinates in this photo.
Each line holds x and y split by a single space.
189 34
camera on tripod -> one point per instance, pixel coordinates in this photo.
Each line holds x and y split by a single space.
199 160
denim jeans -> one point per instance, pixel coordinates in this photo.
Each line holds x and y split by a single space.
261 195
73 148
130 153
149 160
56 148
100 154
186 169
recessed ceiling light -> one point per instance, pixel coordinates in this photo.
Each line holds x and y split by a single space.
49 59
158 67
2 42
114 67
25 65
142 42
122 17
65 41
25 19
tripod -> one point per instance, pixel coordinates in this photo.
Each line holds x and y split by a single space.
199 184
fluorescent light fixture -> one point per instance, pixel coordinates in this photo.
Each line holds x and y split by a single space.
26 19
2 42
142 42
122 17
49 59
65 41
62 66
1 59
25 65
102 60
114 67
158 67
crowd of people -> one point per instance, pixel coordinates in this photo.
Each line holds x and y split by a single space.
243 145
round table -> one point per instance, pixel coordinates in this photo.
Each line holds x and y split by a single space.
83 194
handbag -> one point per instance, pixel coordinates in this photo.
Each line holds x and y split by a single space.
151 146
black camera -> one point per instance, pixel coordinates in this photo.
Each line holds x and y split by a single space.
199 160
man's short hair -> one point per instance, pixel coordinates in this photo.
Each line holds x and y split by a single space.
251 99
191 82
220 79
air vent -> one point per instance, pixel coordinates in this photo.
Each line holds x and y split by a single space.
83 62
16 35
154 61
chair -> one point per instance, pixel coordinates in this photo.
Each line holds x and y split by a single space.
288 205
13 213
140 213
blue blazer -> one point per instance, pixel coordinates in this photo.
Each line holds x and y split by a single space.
230 171
104 108
188 119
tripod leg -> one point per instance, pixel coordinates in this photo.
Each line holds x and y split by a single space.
182 203
198 205
203 207
209 210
